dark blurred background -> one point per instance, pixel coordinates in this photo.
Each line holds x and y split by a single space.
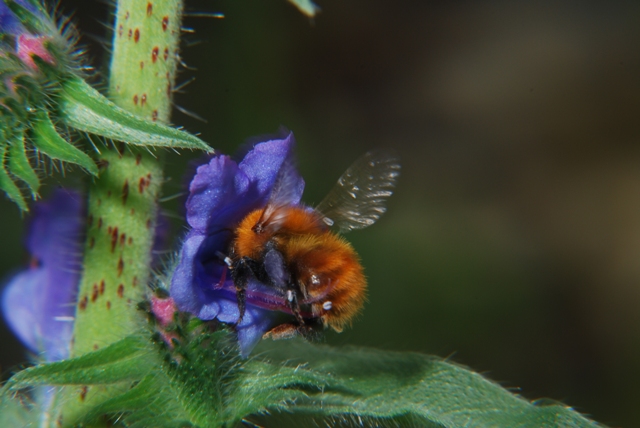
512 244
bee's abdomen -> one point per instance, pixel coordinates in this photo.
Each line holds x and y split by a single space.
330 272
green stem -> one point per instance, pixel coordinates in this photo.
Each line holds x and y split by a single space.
122 199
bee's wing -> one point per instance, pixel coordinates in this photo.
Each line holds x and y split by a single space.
358 198
287 190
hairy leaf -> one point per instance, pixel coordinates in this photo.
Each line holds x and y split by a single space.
372 384
7 184
49 142
85 109
19 164
201 381
121 361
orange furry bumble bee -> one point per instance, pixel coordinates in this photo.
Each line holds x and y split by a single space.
292 249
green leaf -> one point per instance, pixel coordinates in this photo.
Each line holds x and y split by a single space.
121 361
366 383
49 142
85 109
307 7
19 164
201 381
151 402
7 184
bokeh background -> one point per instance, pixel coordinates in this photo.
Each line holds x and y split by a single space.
512 244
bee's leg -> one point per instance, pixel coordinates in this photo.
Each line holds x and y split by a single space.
241 271
289 331
241 294
282 331
292 302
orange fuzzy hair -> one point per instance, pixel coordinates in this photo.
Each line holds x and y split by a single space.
325 266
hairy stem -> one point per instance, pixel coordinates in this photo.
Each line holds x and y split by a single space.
122 200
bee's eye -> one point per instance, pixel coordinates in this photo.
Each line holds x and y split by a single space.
258 228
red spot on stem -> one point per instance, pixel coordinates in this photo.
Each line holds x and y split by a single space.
138 158
149 9
144 183
154 54
121 290
108 304
123 238
154 115
102 287
100 223
92 242
83 393
136 35
114 238
130 32
94 293
141 65
165 23
135 99
120 266
143 100
165 54
83 303
125 192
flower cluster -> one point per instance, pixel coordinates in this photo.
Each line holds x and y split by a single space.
32 53
41 87
222 193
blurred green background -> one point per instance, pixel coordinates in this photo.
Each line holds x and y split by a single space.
512 244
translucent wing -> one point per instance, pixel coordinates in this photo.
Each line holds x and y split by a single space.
287 190
358 198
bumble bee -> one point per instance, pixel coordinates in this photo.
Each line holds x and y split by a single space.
292 249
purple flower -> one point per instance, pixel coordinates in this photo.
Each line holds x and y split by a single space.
39 302
222 193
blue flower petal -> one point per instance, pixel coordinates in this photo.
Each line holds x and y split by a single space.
255 323
9 23
222 193
39 303
18 302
